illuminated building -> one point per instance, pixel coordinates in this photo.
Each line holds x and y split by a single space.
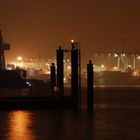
35 66
119 60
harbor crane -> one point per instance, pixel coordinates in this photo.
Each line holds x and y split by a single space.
3 46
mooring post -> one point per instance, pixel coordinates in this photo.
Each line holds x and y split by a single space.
60 71
52 79
74 73
90 83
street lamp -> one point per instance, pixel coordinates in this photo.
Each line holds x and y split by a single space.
19 58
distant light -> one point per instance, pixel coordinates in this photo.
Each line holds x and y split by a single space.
115 55
48 72
129 66
138 57
9 68
68 60
109 54
102 66
72 41
68 67
115 68
64 79
135 73
19 58
99 68
123 54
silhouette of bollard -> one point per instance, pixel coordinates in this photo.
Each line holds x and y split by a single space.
74 73
60 71
52 79
90 83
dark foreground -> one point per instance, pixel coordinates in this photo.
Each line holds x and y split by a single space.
32 103
116 117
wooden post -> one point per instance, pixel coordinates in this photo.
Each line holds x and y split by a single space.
90 83
74 73
60 71
52 79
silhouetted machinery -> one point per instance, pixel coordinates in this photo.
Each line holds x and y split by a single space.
3 46
13 78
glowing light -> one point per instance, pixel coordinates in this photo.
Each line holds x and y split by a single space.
109 54
64 78
68 67
48 72
102 66
138 57
135 73
115 68
72 41
68 60
20 63
123 54
19 125
9 68
19 58
115 55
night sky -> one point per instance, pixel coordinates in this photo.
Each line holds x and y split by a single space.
35 28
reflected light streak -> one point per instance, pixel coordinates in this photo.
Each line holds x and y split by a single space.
19 126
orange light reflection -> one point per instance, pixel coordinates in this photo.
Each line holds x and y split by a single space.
19 126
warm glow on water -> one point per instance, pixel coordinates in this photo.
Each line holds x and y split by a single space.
116 116
19 126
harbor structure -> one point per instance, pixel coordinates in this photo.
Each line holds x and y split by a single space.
3 46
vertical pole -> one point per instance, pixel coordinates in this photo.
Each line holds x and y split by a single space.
52 79
1 51
118 64
134 61
79 76
60 71
90 83
74 72
127 60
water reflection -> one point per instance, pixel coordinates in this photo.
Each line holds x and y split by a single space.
20 125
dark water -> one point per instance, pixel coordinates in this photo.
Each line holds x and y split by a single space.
116 117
